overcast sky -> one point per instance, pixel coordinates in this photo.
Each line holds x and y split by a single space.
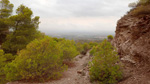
77 15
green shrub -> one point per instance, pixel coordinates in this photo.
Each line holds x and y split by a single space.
69 50
110 37
141 10
59 39
2 64
83 48
92 44
41 60
95 50
86 47
104 68
9 57
79 47
143 2
4 59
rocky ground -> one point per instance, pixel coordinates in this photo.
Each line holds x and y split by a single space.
77 74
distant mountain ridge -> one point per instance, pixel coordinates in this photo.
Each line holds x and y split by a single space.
81 35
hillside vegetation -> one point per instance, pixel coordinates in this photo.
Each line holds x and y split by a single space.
132 40
28 55
105 68
141 8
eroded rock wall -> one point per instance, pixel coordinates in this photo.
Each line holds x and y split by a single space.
132 41
133 38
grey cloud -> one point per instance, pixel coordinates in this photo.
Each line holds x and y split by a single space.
51 12
93 8
76 8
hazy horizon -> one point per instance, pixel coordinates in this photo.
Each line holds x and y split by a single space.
76 15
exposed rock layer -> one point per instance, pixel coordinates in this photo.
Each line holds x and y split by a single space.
132 41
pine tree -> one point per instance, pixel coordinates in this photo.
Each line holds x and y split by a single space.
5 11
24 30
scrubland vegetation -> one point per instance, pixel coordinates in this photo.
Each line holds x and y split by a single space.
110 37
105 67
42 59
83 48
29 55
142 7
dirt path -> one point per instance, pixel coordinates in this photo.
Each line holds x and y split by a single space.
74 75
77 74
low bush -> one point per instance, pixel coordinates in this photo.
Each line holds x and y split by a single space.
79 47
92 44
2 64
40 61
95 50
83 48
9 57
86 46
110 37
69 50
59 39
141 10
105 68
143 2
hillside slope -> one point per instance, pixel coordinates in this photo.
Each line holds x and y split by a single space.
132 40
77 73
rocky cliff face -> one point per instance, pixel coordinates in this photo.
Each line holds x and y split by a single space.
132 41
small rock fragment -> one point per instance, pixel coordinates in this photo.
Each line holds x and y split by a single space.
79 71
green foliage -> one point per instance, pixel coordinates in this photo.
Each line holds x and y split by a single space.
9 57
24 30
86 47
104 67
95 50
79 47
141 10
143 2
69 49
58 39
40 60
5 11
83 48
110 37
132 5
92 44
139 3
2 61
2 64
